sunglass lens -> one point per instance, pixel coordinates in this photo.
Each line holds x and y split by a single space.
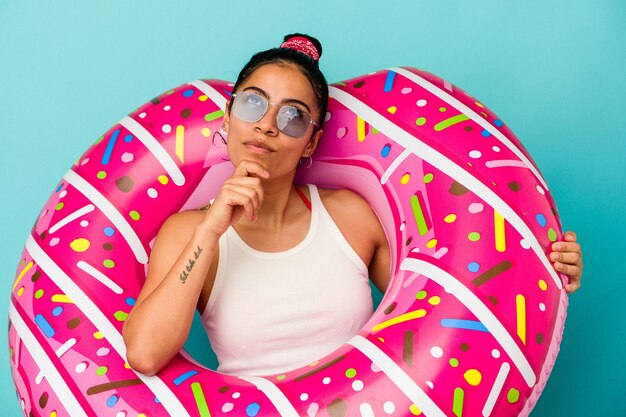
292 121
250 107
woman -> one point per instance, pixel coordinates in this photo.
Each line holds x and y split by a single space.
271 263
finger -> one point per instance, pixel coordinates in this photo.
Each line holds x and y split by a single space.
569 236
247 168
572 258
572 270
242 195
572 287
566 247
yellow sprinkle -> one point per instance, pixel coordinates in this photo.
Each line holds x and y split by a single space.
450 218
412 315
206 132
180 142
543 285
203 97
126 365
80 245
498 221
21 275
20 291
392 109
435 300
314 363
61 298
163 179
473 377
520 304
479 104
98 335
414 410
53 413
405 178
381 339
431 243
360 129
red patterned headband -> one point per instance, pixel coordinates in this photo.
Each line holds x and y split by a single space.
303 45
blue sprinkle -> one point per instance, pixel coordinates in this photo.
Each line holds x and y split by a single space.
498 122
109 149
156 400
112 400
59 188
485 133
229 93
391 76
385 151
109 231
473 266
128 138
188 93
130 301
44 325
541 219
179 380
464 324
57 311
253 409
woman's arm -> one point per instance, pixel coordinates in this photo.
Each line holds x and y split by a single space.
159 323
181 257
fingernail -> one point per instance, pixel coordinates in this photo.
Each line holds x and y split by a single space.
557 246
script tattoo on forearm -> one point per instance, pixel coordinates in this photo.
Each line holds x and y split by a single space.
185 274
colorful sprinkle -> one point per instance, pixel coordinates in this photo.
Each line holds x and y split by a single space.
182 378
454 362
108 263
473 377
498 224
520 307
450 122
360 129
551 235
106 157
450 218
428 178
384 152
412 315
391 76
198 395
512 396
421 102
415 410
102 370
350 372
473 266
464 324
405 178
80 245
541 219
180 142
543 285
101 175
134 215
474 236
418 214
44 325
253 409
420 121
109 231
214 115
457 404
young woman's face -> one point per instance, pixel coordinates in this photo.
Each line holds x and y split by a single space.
262 141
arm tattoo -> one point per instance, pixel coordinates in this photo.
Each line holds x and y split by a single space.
185 274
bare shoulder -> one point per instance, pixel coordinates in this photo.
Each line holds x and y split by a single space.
352 213
180 226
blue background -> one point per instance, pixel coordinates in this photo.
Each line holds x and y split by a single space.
553 71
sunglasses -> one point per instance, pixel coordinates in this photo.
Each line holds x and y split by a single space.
291 120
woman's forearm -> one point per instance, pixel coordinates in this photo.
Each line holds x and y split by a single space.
158 326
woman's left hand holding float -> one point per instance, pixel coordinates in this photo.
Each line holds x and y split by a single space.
567 258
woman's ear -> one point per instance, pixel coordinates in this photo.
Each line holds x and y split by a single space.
226 118
312 145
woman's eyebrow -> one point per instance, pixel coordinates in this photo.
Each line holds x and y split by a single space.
287 100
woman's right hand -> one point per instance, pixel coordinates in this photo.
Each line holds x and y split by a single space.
240 194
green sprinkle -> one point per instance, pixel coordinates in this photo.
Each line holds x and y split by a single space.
101 175
421 121
214 115
351 373
108 263
421 295
428 178
120 315
454 362
39 293
134 215
102 370
512 396
551 235
474 236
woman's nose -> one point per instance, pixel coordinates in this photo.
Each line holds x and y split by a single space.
268 124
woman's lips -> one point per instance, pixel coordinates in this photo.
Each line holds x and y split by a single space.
257 147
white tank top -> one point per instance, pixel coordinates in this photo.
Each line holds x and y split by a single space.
272 312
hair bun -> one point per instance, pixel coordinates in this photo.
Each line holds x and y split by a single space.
290 40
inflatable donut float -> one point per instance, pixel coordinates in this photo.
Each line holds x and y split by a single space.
470 324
